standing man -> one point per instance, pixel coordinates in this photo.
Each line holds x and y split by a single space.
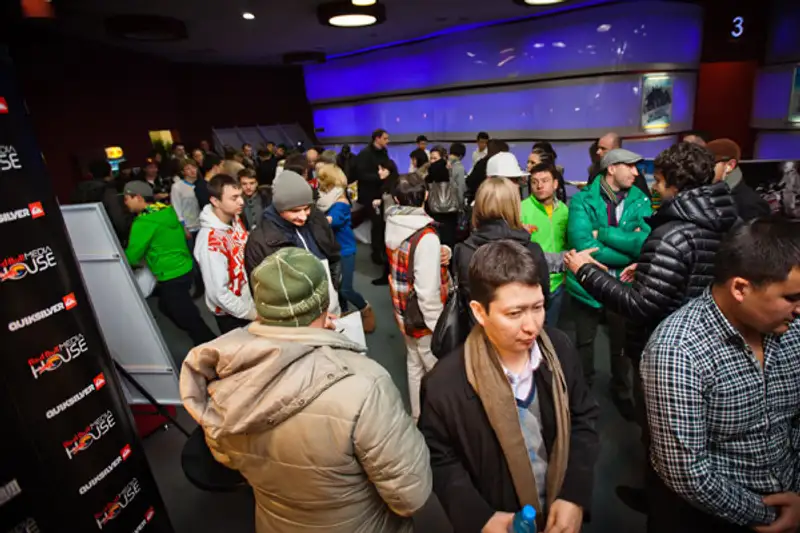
369 188
159 184
187 206
199 157
723 393
248 156
422 144
458 175
508 418
480 152
179 151
546 216
158 238
608 215
606 143
220 255
254 201
749 203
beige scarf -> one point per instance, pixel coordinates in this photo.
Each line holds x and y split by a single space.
487 377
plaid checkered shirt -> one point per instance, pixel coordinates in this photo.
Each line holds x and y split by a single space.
725 432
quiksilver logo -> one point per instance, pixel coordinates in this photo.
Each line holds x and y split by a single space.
67 302
100 476
97 384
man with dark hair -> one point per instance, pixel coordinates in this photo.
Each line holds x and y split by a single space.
102 188
205 146
421 145
248 156
415 261
458 175
219 252
179 151
482 141
158 238
727 156
608 215
254 200
606 143
675 262
369 187
697 137
478 173
507 417
723 393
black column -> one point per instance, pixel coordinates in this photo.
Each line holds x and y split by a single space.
71 460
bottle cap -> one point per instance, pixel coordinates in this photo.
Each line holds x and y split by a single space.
529 513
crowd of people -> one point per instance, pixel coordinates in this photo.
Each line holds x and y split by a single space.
698 285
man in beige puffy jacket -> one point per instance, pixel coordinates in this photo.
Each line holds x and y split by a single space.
317 428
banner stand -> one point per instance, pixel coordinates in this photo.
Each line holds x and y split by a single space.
72 460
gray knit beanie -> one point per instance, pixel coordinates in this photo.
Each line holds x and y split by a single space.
291 190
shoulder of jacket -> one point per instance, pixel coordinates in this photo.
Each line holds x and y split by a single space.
447 376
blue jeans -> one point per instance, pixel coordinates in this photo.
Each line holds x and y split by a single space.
347 292
554 307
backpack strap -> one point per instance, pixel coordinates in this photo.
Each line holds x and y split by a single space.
413 242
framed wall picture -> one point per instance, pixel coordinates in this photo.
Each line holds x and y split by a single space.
656 102
794 99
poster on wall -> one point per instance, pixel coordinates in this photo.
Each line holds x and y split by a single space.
77 463
794 101
656 102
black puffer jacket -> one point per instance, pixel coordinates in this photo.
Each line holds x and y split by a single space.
675 265
495 230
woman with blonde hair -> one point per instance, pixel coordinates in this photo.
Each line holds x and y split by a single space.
496 216
334 203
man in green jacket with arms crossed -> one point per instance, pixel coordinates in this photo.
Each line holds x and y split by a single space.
158 238
545 216
609 214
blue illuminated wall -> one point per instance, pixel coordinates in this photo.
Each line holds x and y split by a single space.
567 78
778 138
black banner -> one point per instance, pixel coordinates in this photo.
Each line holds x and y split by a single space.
71 458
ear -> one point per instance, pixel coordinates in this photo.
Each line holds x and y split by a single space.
478 312
732 164
739 288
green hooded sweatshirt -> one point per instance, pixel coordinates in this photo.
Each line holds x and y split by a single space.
158 237
551 232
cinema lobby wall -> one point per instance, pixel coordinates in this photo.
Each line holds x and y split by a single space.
776 137
567 77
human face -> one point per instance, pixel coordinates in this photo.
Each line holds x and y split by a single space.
661 186
312 156
280 151
271 148
605 145
435 156
482 143
198 156
384 172
622 176
204 146
135 204
422 145
180 151
770 308
297 216
514 319
249 186
382 141
151 171
190 172
722 169
231 203
533 160
543 186
248 150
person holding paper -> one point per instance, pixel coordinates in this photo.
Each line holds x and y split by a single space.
316 427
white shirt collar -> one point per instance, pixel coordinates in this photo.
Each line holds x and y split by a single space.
522 383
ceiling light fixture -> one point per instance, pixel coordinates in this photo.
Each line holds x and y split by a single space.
537 2
346 15
248 16
363 3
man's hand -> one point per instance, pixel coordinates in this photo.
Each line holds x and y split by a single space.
564 517
575 260
376 203
530 228
445 254
628 273
788 507
498 523
330 220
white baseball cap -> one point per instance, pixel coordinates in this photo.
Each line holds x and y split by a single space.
505 165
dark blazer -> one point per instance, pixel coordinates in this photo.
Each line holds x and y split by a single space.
267 239
470 474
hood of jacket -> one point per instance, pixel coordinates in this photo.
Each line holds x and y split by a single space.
160 214
402 222
495 230
209 219
711 207
255 379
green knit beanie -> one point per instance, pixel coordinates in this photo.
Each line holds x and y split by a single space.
290 288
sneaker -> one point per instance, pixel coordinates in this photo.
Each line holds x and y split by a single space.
633 497
383 280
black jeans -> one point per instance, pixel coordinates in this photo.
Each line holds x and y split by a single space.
175 301
378 242
586 321
227 323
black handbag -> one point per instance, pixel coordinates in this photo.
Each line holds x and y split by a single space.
453 326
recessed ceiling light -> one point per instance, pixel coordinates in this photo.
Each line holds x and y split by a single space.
346 15
364 2
248 16
538 2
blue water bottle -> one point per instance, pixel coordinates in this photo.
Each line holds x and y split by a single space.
524 521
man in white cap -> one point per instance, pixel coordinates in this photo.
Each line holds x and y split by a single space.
608 215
